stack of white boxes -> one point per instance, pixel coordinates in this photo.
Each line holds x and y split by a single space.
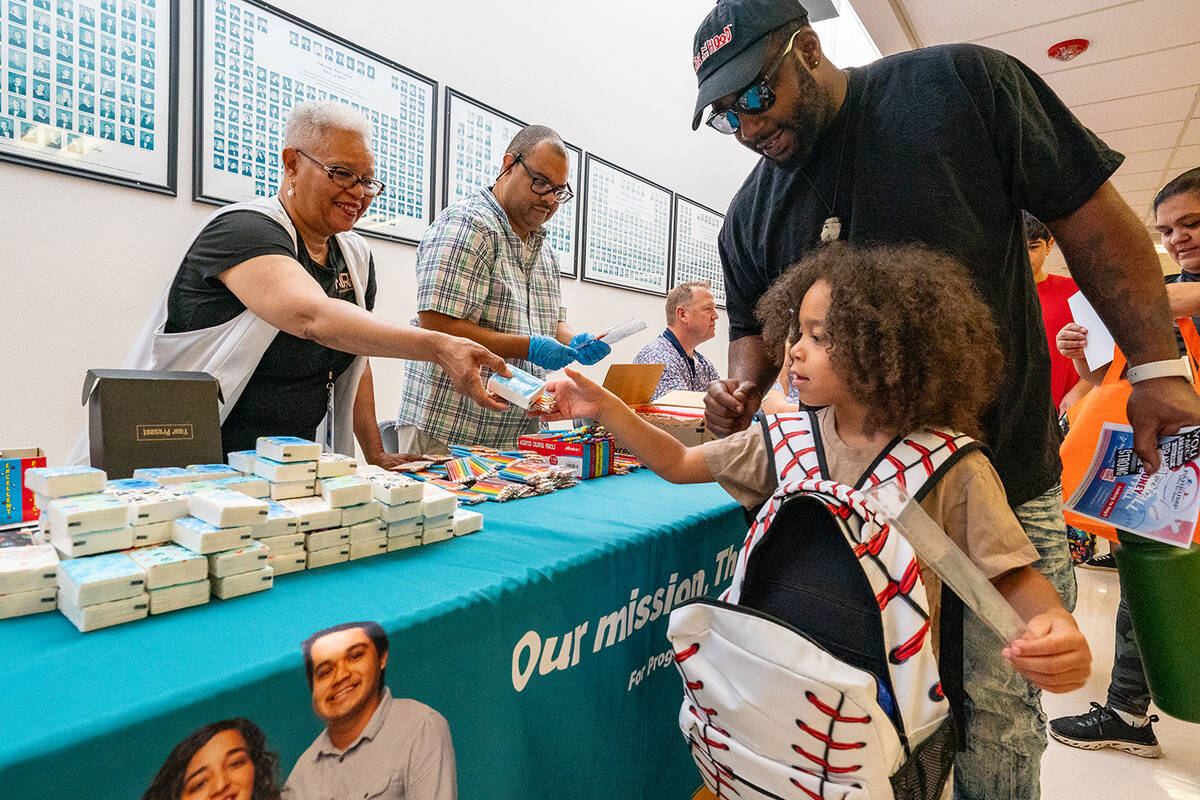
80 519
325 540
151 509
399 498
437 508
281 534
27 575
467 522
352 495
175 577
289 463
102 590
240 571
167 476
235 566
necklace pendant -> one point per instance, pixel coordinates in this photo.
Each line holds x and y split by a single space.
831 231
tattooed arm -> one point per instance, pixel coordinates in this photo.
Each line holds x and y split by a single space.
1111 258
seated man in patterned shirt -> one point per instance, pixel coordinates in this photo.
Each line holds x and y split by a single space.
691 320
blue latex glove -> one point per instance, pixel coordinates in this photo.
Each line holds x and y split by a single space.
590 350
548 353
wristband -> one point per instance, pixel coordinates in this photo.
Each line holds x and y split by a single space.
1171 368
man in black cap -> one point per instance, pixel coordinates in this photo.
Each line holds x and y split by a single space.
943 146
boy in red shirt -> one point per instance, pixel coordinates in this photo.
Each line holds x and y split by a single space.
1053 291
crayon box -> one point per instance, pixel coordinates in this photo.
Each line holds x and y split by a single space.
16 502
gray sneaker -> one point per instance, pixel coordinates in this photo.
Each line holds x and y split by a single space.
1102 727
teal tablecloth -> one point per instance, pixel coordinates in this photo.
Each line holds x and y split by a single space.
94 715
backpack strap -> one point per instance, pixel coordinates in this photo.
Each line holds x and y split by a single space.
795 446
951 662
919 460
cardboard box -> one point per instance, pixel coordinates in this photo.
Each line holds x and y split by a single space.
16 502
142 418
679 413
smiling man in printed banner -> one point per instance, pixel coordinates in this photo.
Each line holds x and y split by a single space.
374 745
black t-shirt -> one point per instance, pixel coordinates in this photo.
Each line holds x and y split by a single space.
943 146
287 394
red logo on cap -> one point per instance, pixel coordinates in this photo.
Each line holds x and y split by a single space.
711 46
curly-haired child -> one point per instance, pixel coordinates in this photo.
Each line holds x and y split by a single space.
885 341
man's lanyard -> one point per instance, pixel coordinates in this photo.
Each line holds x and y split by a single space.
669 335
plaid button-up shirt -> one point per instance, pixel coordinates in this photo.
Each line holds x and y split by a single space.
471 265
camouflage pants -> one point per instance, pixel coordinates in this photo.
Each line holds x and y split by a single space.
1006 728
1127 689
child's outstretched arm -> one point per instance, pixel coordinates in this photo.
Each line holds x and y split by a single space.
660 451
1052 653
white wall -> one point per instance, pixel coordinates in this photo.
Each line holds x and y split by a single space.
82 262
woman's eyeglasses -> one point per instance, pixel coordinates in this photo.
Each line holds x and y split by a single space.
346 178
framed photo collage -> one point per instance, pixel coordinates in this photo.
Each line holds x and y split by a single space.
90 88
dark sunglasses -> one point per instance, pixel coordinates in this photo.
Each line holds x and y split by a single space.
755 99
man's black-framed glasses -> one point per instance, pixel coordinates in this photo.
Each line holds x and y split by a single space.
347 179
542 187
755 99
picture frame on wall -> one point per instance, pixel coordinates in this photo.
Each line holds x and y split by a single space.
694 254
254 62
476 136
92 92
627 222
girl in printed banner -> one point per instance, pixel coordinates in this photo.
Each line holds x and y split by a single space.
227 759
887 341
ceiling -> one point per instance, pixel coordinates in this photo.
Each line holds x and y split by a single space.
1137 86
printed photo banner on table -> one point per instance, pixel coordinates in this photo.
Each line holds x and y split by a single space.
626 228
694 255
88 88
476 136
254 62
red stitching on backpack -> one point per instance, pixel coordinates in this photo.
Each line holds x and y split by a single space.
828 740
684 655
802 788
907 650
825 765
925 454
832 712
899 465
911 574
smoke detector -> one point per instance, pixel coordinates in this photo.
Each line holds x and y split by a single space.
1068 49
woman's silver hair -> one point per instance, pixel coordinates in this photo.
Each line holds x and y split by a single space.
309 121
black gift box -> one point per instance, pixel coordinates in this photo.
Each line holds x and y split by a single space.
147 418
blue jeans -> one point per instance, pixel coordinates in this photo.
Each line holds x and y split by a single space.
1005 725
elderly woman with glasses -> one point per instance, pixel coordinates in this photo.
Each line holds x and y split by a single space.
273 297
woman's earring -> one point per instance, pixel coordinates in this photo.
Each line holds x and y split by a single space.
291 190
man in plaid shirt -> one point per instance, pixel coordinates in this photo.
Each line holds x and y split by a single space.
485 273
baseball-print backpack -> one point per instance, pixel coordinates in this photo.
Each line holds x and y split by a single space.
814 675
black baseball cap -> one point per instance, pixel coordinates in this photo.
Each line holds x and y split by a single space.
731 45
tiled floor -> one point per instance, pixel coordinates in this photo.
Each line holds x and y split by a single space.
1098 775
